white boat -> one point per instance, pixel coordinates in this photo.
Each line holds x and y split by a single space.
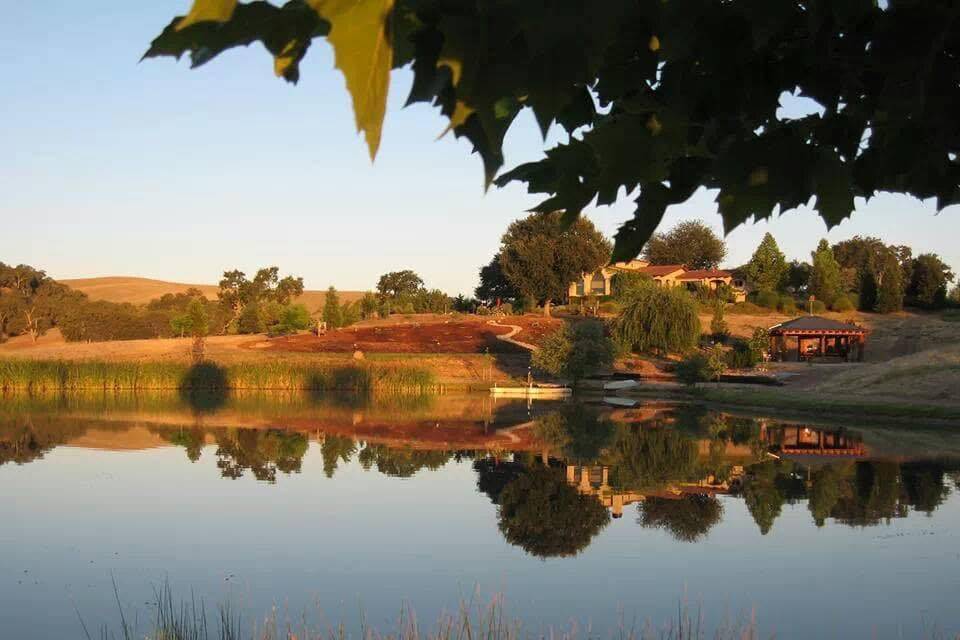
533 391
617 385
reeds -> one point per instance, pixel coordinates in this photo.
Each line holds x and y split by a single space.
63 375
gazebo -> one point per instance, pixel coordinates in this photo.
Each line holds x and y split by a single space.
814 337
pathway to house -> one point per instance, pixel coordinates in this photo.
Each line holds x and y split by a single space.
508 337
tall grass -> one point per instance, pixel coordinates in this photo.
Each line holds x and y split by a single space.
189 620
63 375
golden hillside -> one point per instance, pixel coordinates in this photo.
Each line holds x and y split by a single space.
143 290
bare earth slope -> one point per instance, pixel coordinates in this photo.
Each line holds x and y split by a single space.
142 290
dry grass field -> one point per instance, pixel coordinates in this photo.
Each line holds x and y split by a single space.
143 290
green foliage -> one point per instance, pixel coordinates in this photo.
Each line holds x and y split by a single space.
817 306
767 269
688 518
539 512
199 321
928 283
576 432
494 286
787 305
574 351
742 356
398 284
540 255
693 369
867 285
623 283
331 309
825 282
237 293
660 319
798 277
369 306
842 304
716 362
655 70
767 299
890 293
690 243
719 328
293 318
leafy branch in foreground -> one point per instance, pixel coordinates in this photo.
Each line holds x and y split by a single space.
665 97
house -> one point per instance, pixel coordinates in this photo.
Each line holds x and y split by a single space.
667 275
817 338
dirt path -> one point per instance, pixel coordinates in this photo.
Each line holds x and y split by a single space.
508 337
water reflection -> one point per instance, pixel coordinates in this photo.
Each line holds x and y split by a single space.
557 474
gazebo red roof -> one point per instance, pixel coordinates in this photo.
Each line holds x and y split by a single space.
816 325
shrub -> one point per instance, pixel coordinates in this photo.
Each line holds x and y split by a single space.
787 305
818 306
661 319
610 308
842 304
693 369
574 351
768 299
741 356
293 318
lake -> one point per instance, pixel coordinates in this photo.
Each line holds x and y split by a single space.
581 515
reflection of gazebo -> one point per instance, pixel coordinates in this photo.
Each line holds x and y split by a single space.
809 337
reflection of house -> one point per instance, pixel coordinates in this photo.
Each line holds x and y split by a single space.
595 481
809 337
794 440
667 275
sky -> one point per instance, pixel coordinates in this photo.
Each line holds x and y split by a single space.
117 167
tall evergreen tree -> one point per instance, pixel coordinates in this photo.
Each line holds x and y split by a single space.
332 313
867 284
767 269
825 281
890 293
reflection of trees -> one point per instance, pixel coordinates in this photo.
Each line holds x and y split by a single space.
924 484
336 449
651 458
766 486
872 496
576 432
545 516
401 462
191 439
827 484
263 452
24 439
688 518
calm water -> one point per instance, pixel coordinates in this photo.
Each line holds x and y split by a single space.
579 514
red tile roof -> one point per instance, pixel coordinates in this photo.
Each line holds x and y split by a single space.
657 270
704 274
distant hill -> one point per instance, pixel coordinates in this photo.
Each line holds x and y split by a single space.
143 290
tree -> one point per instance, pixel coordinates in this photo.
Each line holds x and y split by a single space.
540 255
331 309
798 277
767 269
690 243
539 512
575 351
659 319
494 285
397 284
719 328
199 322
825 274
368 306
688 518
35 296
668 97
237 292
293 318
867 284
928 282
890 292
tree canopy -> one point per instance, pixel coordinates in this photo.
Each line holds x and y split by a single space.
825 282
767 268
690 243
398 284
665 97
540 257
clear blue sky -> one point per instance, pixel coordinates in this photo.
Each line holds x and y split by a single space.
111 167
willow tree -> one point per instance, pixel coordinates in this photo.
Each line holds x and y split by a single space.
659 319
666 97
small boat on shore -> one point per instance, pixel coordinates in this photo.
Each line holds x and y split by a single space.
533 391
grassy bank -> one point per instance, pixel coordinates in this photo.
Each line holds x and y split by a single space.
820 405
63 375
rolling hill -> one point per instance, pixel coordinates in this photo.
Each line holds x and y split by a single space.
143 290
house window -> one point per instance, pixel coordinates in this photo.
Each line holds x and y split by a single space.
580 288
598 284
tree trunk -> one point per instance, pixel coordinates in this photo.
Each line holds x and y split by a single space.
546 308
